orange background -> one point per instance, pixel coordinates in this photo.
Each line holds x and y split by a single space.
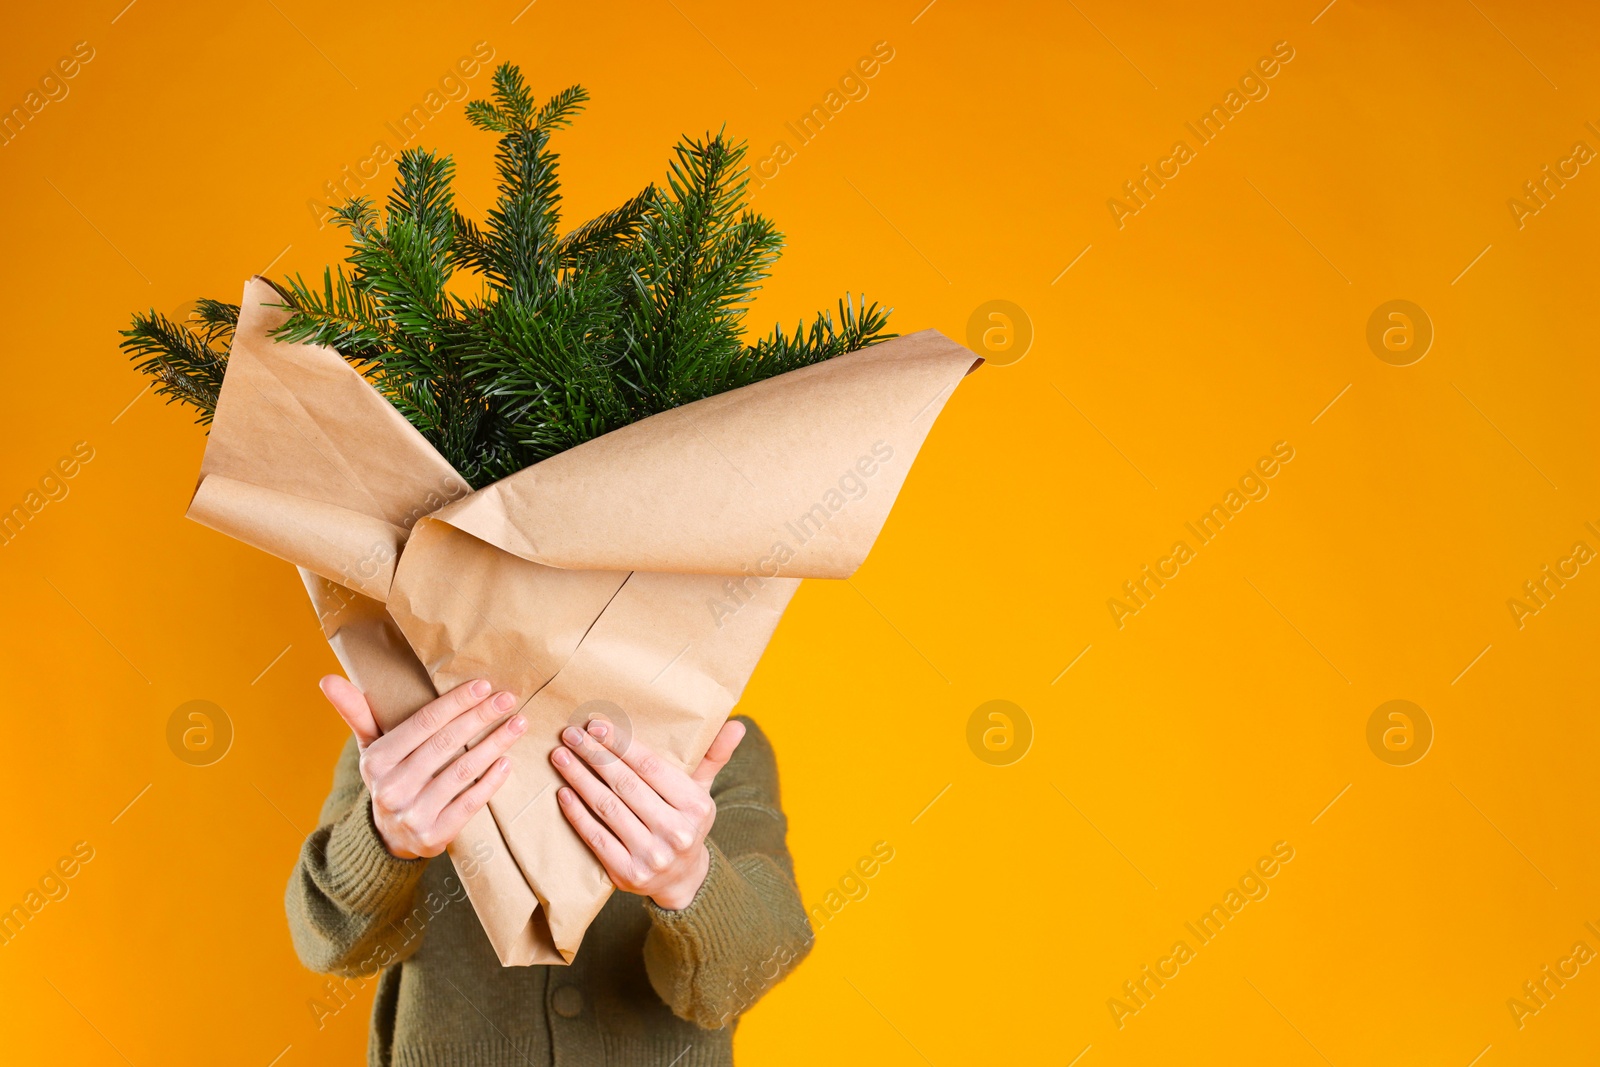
1223 317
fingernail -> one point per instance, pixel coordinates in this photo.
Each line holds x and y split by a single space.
572 735
598 728
502 764
504 701
518 724
564 795
480 688
560 756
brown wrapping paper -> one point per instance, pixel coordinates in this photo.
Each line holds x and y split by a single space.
639 575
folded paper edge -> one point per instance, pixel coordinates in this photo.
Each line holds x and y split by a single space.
487 514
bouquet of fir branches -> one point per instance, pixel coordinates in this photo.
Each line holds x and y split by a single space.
578 477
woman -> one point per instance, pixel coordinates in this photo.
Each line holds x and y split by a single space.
707 917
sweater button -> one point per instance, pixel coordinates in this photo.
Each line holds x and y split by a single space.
567 1001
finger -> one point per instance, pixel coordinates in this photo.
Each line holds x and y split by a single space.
454 817
432 755
616 859
641 798
458 777
602 801
719 753
352 706
674 787
403 739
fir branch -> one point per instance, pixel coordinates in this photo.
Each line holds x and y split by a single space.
613 229
521 232
342 316
472 249
187 360
214 322
860 326
638 310
511 96
559 110
486 116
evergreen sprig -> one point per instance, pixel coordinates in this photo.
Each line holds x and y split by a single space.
569 336
186 358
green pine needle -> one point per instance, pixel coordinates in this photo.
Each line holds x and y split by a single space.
569 335
187 358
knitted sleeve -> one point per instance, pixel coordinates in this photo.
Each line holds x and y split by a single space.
746 927
347 890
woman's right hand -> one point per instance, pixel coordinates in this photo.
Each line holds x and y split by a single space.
424 787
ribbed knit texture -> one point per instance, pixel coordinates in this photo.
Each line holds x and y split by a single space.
648 986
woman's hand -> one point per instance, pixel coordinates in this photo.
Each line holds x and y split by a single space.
424 787
650 834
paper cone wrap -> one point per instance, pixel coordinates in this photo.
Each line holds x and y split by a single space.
640 574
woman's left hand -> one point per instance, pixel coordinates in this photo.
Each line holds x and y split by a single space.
650 834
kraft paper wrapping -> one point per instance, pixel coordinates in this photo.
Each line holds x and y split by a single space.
639 575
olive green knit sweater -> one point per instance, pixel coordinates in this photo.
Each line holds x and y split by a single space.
648 986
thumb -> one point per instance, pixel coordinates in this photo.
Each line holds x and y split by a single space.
351 704
719 753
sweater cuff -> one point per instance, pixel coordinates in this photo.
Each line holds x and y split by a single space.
709 920
363 874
